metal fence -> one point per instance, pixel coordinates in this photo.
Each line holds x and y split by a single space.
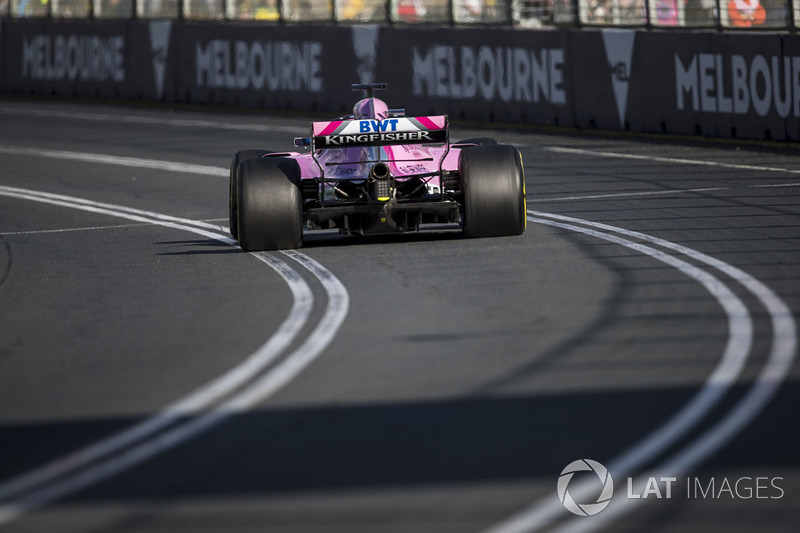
774 15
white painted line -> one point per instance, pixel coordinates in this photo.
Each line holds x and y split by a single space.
781 356
69 230
338 305
544 512
666 192
64 476
105 208
249 397
267 126
169 166
656 193
775 186
626 194
201 397
672 160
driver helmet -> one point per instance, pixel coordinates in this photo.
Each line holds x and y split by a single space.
371 108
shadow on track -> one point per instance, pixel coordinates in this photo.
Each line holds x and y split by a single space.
332 238
342 447
324 239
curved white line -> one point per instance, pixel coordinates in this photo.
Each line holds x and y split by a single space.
299 314
784 343
259 390
106 209
201 397
781 356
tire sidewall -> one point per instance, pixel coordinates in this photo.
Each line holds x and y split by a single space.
233 210
493 186
270 204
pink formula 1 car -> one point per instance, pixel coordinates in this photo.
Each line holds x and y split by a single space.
375 172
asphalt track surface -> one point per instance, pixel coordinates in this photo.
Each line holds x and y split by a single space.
154 377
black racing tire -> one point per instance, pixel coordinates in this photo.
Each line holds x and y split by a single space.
270 204
493 186
233 212
480 141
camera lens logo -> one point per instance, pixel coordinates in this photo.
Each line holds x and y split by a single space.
586 509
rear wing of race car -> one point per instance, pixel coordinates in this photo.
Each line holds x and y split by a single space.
376 133
372 132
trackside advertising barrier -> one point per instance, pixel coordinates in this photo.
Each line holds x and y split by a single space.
732 85
81 58
277 67
722 85
484 74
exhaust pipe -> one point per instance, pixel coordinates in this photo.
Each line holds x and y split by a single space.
379 171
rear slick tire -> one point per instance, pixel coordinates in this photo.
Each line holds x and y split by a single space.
493 185
233 209
270 204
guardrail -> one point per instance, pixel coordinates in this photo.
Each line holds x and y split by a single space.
771 15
